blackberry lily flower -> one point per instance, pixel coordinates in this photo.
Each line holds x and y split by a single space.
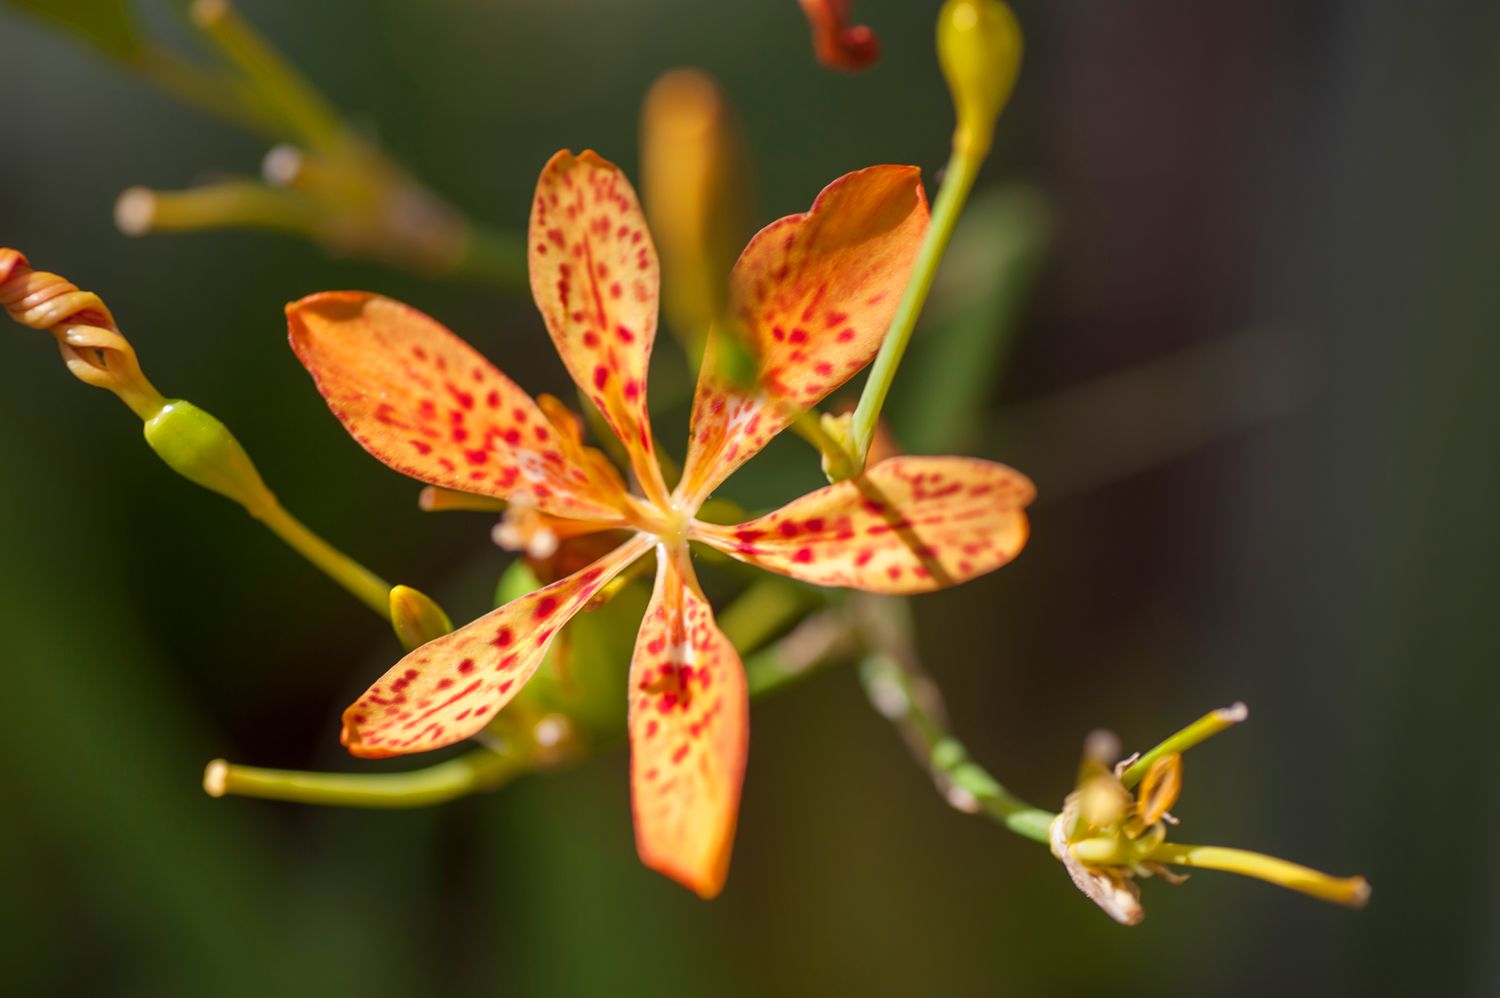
814 294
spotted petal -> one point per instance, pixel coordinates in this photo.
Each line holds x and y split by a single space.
689 732
595 279
814 294
450 688
430 406
907 525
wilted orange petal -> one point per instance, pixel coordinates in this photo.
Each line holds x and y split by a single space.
815 293
449 688
907 525
430 406
689 731
838 44
595 279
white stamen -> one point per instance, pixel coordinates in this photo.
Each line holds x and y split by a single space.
282 165
216 778
135 211
550 730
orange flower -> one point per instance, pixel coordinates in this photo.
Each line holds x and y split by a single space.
838 44
814 293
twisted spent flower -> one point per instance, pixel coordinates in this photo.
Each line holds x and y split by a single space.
90 341
1106 837
812 296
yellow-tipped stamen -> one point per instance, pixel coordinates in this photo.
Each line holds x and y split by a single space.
1201 730
1351 891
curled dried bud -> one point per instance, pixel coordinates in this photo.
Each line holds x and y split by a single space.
91 344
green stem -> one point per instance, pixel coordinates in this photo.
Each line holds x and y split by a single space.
366 586
963 167
304 113
818 641
911 702
480 769
1204 728
206 90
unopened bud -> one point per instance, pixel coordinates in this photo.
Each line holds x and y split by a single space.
979 47
201 449
416 617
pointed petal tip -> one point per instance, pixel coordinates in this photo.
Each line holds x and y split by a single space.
689 735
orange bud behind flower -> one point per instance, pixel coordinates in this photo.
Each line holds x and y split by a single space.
838 44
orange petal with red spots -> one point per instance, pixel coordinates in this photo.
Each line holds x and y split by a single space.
815 294
838 44
430 406
596 282
453 686
689 731
907 525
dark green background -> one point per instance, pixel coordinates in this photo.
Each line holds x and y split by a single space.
1274 242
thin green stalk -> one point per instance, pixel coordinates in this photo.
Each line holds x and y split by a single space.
480 769
820 640
911 702
963 167
206 90
304 112
366 586
1201 730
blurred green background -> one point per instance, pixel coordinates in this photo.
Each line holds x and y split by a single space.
1250 383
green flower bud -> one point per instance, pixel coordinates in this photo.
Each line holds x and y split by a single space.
979 47
201 449
416 617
